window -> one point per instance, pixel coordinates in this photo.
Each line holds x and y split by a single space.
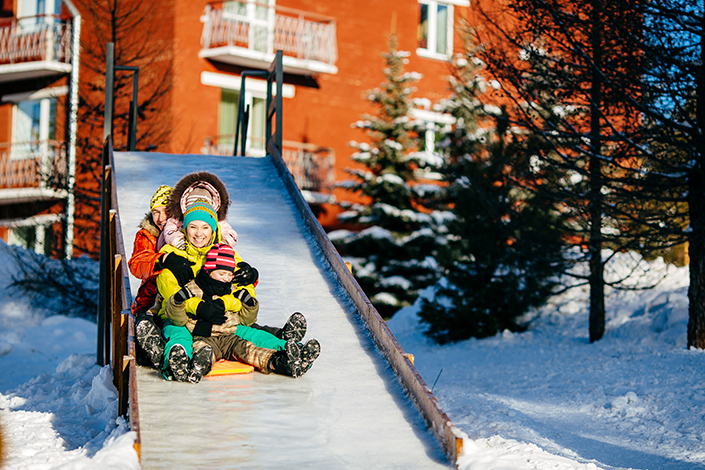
255 96
434 125
34 13
37 238
34 125
227 120
259 16
435 30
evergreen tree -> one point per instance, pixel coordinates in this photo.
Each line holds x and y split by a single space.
389 253
502 250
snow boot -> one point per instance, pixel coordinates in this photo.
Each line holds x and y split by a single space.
201 364
287 361
150 339
295 328
309 353
179 363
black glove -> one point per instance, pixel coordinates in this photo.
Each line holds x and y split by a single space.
181 296
179 266
202 328
213 311
246 275
244 297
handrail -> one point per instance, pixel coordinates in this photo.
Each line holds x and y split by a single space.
275 77
116 344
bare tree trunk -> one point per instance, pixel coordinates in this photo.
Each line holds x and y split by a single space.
696 201
597 281
696 250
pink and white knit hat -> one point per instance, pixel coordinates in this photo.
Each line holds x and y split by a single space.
220 256
203 191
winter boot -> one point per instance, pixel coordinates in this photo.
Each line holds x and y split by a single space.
287 361
179 363
201 364
150 339
295 328
309 353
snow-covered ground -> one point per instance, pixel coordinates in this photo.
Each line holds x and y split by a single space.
544 399
547 398
57 407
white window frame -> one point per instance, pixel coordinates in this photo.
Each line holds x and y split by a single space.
32 149
430 51
433 122
256 24
44 97
28 13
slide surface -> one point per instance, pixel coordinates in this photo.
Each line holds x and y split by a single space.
348 411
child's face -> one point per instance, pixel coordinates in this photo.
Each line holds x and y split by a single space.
159 217
222 275
199 233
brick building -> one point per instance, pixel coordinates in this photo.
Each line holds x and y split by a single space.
332 56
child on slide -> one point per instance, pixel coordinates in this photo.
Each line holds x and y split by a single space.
213 305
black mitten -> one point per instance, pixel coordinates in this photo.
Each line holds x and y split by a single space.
202 328
179 266
246 275
181 296
244 297
213 311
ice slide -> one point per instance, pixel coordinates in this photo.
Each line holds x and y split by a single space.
354 409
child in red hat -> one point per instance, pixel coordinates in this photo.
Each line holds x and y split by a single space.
211 305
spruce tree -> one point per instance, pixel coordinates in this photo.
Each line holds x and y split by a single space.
389 250
502 249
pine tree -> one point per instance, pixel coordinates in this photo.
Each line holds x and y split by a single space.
502 247
389 252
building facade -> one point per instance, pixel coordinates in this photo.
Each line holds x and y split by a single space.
192 82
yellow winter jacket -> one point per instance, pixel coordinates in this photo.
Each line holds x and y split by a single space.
167 285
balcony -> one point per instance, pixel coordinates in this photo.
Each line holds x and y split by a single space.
248 34
312 166
32 171
34 47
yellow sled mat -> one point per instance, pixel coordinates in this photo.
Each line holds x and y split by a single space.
223 367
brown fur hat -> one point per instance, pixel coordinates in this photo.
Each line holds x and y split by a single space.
200 182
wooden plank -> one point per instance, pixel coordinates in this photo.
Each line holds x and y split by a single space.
449 436
133 408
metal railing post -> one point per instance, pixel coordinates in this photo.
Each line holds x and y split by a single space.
107 132
132 121
279 77
109 90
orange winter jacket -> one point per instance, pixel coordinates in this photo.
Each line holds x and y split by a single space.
142 264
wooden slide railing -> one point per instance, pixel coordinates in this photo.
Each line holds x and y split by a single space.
116 343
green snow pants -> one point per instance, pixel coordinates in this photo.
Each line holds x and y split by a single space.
260 338
176 335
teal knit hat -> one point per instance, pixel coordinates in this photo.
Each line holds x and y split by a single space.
203 211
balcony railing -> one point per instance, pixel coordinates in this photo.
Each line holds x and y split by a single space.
38 165
248 34
35 46
313 167
50 40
